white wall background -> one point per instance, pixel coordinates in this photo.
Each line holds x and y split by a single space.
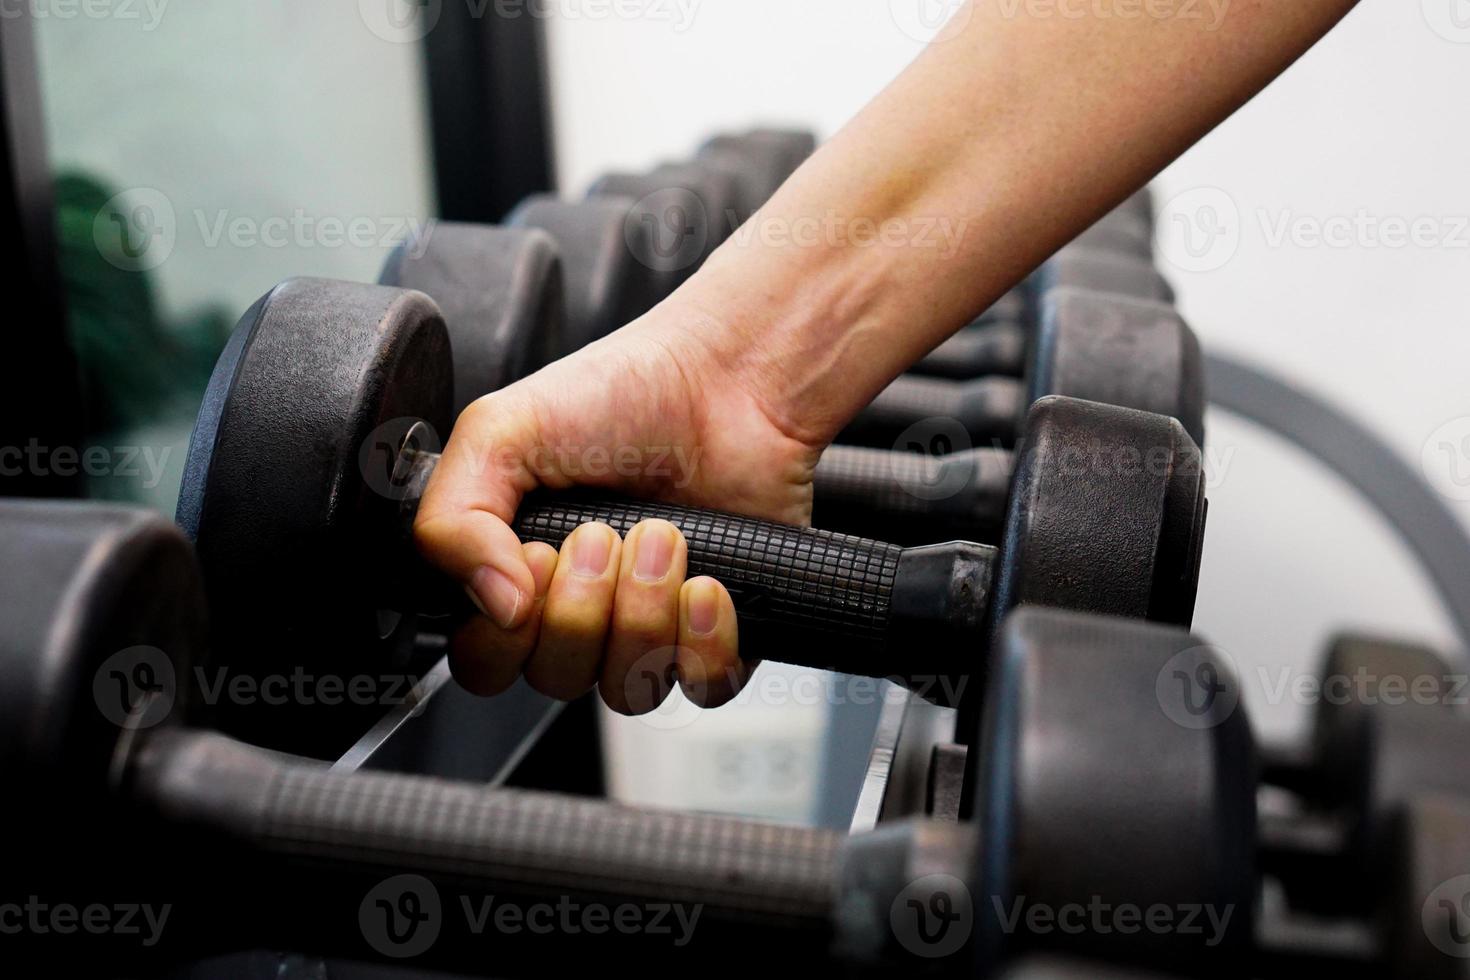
1371 124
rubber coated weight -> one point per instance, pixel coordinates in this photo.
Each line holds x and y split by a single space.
1089 345
997 342
1386 728
315 841
609 282
501 293
684 209
1098 779
288 470
1427 917
757 167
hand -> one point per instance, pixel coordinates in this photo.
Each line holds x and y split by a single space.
654 412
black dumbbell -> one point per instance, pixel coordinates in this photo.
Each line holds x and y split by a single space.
760 161
688 209
263 849
607 261
293 510
1386 728
997 343
501 293
1426 914
1090 345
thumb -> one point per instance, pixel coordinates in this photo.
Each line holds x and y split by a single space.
463 523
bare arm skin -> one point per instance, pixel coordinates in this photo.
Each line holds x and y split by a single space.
1011 134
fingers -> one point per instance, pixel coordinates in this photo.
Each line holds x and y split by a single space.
486 658
578 614
709 666
638 670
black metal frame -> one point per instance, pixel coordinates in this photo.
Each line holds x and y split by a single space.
40 392
490 110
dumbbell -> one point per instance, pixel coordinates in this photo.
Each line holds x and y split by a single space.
309 852
998 343
687 209
1386 728
1426 916
1090 345
501 291
760 161
298 505
607 261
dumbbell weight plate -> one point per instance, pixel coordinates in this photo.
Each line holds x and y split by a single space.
607 283
1102 271
1427 912
289 461
501 293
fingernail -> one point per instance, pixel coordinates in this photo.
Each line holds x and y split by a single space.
655 553
704 607
495 595
592 551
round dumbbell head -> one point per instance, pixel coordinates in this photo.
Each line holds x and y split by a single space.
1115 770
100 615
501 293
607 285
1107 514
1426 907
287 490
757 170
1124 232
1387 727
1104 271
1106 347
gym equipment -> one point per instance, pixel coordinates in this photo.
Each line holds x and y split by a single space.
501 293
998 342
687 208
1386 729
298 493
607 262
315 840
1427 914
1090 345
760 161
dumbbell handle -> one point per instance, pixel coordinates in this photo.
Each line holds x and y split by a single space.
962 495
988 411
791 881
997 348
806 597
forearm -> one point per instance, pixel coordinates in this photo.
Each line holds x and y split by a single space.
993 149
